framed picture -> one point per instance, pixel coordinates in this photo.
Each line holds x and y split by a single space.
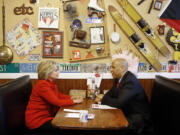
52 44
97 35
48 18
158 5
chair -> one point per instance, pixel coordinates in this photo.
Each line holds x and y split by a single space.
14 96
165 103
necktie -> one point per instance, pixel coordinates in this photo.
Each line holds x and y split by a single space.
118 84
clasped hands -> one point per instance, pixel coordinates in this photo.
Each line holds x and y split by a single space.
77 99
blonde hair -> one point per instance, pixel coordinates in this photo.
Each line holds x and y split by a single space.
45 68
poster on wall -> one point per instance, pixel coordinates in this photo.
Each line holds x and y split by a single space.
52 44
48 18
24 38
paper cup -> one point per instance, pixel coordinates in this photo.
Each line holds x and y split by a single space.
84 116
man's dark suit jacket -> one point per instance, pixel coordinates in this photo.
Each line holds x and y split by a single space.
131 98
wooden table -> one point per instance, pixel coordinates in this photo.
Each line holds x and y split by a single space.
109 119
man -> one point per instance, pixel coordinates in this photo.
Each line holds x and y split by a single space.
128 95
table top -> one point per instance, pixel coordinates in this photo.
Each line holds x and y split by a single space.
105 119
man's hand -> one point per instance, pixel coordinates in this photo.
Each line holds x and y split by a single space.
99 98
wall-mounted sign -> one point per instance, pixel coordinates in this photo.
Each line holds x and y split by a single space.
70 68
28 67
34 57
94 68
23 10
48 18
9 68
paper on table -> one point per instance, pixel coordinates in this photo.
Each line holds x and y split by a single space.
73 111
97 106
77 115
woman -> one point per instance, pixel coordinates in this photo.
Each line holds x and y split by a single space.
46 99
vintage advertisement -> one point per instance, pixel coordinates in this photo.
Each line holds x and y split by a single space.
48 18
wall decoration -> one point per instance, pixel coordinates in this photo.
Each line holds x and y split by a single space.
143 67
94 8
174 68
158 4
97 35
52 44
173 39
34 57
170 14
70 68
24 38
48 18
9 68
23 10
94 68
86 35
161 29
32 1
76 54
89 55
28 67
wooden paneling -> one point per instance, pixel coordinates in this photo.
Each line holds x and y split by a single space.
66 84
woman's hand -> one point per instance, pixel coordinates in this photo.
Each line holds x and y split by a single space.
78 99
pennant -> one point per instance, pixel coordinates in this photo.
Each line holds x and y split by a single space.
170 14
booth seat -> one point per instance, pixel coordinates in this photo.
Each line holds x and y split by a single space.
165 103
14 96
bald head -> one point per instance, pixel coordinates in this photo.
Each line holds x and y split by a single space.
121 62
119 67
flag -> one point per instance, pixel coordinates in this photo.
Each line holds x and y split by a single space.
171 14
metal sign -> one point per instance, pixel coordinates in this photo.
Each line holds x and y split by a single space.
9 68
28 67
70 68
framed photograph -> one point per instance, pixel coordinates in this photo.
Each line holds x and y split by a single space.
97 35
158 5
52 44
48 18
